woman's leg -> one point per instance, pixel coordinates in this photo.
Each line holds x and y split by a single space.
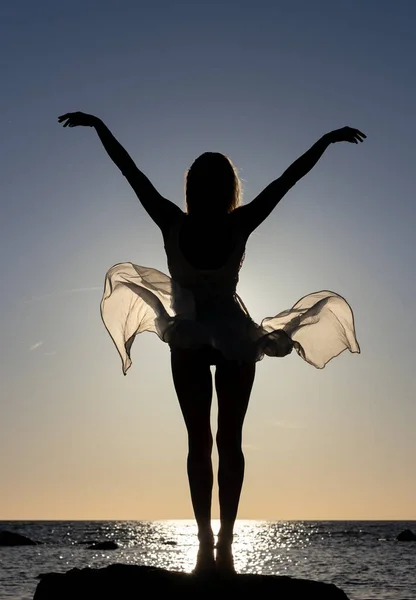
233 382
193 384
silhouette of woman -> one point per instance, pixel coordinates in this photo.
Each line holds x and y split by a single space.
199 314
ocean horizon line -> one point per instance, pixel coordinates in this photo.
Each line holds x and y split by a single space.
189 520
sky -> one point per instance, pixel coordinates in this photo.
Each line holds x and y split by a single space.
261 82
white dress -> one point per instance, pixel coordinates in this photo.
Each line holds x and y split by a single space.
196 308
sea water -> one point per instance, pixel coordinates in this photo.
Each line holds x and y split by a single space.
363 558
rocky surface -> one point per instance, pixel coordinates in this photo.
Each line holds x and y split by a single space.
123 582
406 536
9 538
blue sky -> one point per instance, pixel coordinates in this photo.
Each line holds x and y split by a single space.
260 81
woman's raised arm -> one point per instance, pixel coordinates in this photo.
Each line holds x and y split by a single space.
251 215
161 210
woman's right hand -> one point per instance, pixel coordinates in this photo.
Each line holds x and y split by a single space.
76 119
346 134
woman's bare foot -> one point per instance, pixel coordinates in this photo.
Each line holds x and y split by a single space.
205 560
224 560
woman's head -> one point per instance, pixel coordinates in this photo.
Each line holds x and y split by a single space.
212 185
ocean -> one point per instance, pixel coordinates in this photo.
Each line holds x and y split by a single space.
363 558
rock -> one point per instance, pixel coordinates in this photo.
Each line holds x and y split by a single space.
9 538
406 536
103 546
116 582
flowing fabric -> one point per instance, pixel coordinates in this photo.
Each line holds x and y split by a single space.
196 308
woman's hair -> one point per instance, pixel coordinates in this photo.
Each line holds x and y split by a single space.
212 184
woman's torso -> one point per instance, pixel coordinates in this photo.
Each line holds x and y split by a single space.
205 255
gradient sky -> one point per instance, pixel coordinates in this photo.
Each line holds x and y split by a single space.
260 81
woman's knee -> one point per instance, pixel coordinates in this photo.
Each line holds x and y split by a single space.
200 445
229 445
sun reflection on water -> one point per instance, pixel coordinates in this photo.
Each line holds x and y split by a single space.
259 546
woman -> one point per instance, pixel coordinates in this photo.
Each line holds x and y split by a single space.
198 313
